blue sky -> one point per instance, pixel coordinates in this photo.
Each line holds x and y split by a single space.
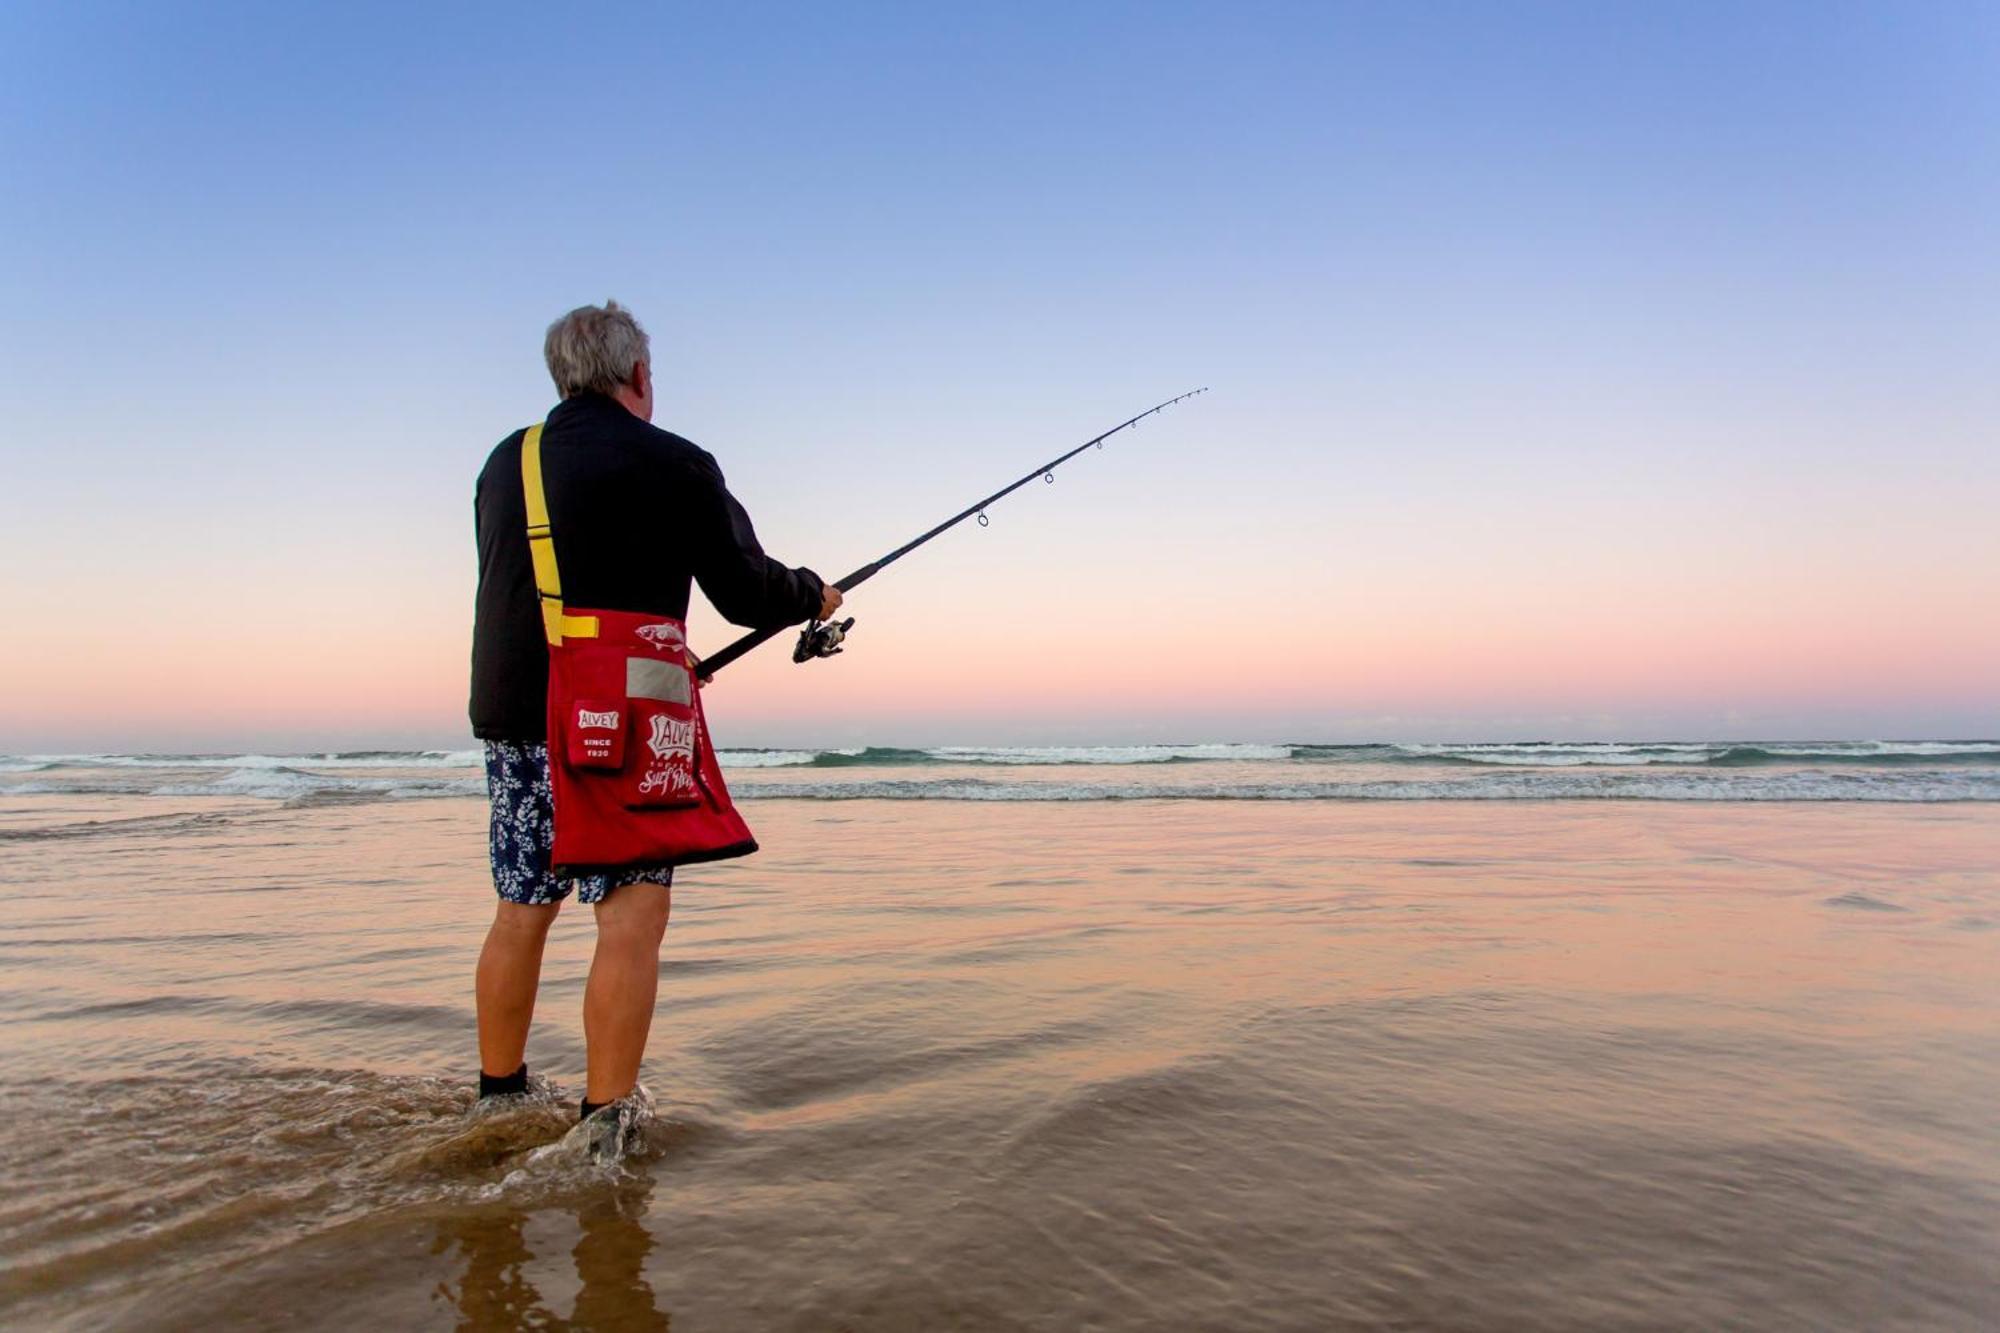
1636 362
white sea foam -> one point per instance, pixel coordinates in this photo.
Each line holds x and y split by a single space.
770 758
1519 786
1104 754
1917 749
1557 754
284 784
358 759
1565 756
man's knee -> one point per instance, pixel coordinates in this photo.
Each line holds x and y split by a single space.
635 912
529 920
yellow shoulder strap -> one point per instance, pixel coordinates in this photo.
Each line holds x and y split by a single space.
556 623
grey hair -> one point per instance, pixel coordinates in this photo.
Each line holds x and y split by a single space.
594 349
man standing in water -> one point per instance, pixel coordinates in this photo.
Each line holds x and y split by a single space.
639 515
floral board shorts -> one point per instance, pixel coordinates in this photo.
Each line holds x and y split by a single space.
524 832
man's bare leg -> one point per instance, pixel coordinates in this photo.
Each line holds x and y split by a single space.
624 979
510 971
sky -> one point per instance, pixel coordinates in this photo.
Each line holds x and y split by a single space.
1577 370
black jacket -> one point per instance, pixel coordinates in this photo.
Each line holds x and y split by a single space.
638 513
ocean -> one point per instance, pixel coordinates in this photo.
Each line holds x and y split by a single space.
1926 771
1206 1036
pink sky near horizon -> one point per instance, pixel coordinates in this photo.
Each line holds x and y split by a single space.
1463 644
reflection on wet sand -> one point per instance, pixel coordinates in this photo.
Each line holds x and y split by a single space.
496 1288
918 1066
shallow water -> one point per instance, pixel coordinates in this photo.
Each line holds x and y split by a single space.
943 1064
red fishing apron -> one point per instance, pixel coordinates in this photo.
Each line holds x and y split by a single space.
635 778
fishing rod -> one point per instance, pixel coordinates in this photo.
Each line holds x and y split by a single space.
819 639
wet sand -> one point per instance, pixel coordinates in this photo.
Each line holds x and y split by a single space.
1112 1065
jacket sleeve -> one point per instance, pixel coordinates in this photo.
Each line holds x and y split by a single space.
748 587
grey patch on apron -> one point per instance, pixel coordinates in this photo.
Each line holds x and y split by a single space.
651 678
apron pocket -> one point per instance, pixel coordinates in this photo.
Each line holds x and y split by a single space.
595 736
660 696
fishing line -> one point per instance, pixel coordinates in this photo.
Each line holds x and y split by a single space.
824 639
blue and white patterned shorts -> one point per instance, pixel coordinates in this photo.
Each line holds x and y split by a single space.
524 832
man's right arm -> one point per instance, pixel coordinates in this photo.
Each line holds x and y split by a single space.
747 586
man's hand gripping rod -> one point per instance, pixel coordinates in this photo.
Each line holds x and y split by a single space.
819 639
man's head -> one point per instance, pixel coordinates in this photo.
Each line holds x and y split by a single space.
602 349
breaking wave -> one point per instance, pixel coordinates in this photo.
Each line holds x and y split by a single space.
885 756
1803 786
1522 770
329 759
1523 754
288 784
1558 754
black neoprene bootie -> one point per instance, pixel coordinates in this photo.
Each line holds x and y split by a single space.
506 1085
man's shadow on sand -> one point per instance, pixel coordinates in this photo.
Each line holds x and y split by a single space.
496 1292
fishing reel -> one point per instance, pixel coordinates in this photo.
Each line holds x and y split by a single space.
821 639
